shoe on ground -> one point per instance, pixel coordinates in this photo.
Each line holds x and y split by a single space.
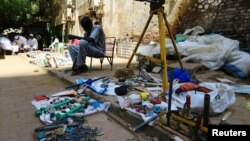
84 67
79 69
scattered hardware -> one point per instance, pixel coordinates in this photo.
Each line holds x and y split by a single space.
62 130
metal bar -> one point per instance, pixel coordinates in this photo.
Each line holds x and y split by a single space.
170 99
206 110
181 119
145 122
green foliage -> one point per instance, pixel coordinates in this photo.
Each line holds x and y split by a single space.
34 8
20 10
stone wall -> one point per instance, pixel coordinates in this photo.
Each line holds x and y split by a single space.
125 19
233 20
230 18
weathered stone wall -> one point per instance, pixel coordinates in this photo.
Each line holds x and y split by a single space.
125 19
233 20
230 18
199 13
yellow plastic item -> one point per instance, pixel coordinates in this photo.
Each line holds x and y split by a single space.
144 96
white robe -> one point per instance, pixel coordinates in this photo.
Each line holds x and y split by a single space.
6 45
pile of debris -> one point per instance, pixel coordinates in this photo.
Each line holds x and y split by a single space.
214 51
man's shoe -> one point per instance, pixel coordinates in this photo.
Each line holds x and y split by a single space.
75 67
80 69
76 72
85 67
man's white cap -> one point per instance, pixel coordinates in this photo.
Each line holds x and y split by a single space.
16 37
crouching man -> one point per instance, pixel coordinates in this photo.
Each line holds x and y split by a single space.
5 44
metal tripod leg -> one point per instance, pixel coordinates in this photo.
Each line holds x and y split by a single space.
163 54
138 43
172 39
162 48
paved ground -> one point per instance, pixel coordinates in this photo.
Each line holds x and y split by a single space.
20 81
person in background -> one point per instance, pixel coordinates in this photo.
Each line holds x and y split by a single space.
39 40
32 42
54 43
91 44
5 44
21 42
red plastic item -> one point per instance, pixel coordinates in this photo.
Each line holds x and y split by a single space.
155 101
40 97
188 86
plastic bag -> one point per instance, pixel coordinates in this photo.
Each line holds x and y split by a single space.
221 97
238 64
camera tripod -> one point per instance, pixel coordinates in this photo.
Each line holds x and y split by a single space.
159 11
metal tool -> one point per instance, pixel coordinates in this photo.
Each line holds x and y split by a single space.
55 126
206 110
170 98
88 82
224 118
105 83
145 122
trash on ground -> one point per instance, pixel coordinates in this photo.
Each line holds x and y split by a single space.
241 88
223 80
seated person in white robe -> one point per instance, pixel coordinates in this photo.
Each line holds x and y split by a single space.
5 44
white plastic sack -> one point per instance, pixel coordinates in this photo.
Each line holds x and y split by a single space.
146 49
154 48
241 60
210 50
221 97
194 31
